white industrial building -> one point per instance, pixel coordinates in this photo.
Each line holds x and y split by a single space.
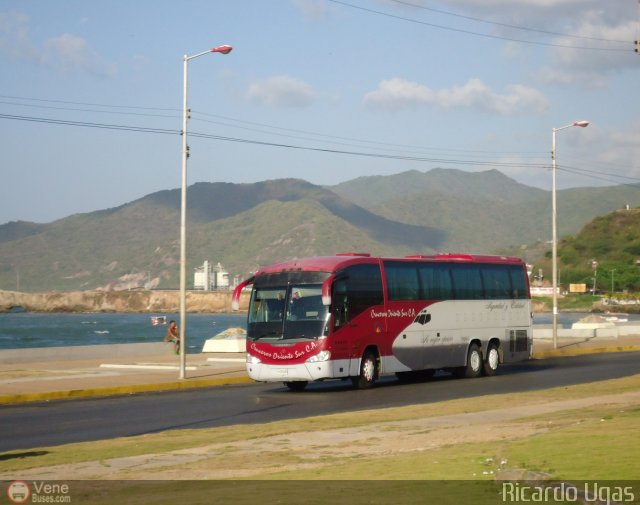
209 277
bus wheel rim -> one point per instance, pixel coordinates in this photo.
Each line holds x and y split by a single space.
474 361
493 358
368 370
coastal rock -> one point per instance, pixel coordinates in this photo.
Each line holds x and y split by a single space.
118 301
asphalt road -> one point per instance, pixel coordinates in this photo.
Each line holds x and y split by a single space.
29 426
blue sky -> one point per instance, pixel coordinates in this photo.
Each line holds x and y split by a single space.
321 90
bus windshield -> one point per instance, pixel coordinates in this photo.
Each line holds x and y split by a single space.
287 312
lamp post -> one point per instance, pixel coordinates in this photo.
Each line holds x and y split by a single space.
554 239
613 271
183 204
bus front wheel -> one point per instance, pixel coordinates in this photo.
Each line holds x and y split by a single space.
368 371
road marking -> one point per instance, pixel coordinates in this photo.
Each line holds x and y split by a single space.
146 367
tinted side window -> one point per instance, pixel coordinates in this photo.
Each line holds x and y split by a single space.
358 287
402 280
467 282
435 280
497 281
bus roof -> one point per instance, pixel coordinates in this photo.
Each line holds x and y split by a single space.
342 260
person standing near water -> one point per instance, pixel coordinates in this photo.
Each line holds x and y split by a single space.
173 336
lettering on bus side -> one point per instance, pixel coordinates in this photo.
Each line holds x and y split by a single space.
513 304
286 355
393 313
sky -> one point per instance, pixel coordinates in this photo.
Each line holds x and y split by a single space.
323 90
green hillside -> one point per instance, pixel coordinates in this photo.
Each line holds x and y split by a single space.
613 241
244 226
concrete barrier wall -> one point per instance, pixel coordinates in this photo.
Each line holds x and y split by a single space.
608 333
82 352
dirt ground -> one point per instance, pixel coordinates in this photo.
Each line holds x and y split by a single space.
258 458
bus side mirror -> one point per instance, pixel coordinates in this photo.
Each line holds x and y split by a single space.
235 298
326 290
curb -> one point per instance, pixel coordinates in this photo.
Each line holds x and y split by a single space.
579 352
121 390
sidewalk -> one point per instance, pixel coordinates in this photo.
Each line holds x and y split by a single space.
81 378
60 379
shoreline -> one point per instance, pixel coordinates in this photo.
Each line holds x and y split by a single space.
124 302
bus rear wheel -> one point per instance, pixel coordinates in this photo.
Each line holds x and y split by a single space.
492 361
296 385
368 371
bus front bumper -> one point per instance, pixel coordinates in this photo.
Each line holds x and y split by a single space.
298 372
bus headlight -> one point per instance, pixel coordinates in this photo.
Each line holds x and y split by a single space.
321 356
253 360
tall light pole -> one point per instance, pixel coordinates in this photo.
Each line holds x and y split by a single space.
613 271
554 238
183 205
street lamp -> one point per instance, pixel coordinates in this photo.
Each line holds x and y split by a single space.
554 239
183 205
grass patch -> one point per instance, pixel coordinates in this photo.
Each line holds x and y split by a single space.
599 446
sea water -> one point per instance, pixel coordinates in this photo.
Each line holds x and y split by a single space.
25 330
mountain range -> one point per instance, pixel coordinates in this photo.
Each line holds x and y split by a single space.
244 226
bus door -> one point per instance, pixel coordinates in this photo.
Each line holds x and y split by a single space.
408 346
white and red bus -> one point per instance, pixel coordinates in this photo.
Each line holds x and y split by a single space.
359 317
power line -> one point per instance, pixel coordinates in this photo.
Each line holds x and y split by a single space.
342 140
270 144
112 106
335 139
469 32
506 25
52 107
600 175
85 124
370 155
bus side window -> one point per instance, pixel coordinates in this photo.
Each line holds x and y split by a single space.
518 282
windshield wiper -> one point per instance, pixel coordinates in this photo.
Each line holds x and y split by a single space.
268 334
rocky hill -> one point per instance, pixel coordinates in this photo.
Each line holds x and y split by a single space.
118 301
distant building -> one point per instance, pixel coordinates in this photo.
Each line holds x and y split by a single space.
209 277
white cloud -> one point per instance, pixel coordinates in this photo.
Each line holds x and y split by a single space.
65 53
593 24
14 37
623 150
313 9
282 91
590 68
72 53
399 93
